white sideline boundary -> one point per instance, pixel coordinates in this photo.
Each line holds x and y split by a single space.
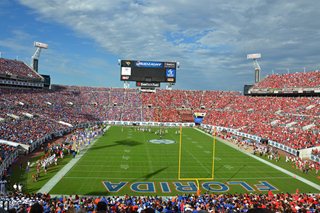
57 177
308 182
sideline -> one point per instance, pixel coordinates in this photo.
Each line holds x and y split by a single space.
308 182
57 177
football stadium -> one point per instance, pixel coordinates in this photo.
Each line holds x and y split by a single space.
150 146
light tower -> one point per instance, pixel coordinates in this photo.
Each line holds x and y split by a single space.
257 68
36 55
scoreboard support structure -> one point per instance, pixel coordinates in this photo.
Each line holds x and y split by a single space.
126 84
169 86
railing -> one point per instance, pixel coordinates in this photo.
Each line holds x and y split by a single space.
254 137
8 161
290 90
315 158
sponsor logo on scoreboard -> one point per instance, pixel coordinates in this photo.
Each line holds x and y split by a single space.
125 77
169 64
126 71
170 73
149 64
147 84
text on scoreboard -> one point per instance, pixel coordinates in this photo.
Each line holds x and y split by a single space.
148 71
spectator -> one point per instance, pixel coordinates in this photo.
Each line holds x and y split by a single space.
36 208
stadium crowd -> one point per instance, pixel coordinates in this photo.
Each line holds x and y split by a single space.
265 150
6 151
17 68
27 115
290 80
269 202
316 152
72 144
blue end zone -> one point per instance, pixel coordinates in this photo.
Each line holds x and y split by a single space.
187 187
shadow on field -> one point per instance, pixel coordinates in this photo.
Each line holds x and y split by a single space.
242 167
128 143
118 143
220 167
150 175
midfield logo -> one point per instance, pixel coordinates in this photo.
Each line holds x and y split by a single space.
162 141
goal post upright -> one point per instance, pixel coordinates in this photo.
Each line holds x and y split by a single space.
197 179
180 147
198 188
213 150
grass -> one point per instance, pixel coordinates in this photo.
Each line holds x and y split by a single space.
312 176
25 178
124 154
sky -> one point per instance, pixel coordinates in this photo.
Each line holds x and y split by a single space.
209 38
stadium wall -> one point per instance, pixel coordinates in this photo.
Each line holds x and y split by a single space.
8 161
306 153
315 158
285 92
20 83
253 137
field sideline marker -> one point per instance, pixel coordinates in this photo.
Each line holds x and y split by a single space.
46 188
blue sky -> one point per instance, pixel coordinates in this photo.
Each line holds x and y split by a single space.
210 38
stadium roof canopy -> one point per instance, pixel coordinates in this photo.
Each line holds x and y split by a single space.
14 144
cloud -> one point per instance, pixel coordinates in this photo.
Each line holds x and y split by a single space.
209 38
16 42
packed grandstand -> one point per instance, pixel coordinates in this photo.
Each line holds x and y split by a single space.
32 117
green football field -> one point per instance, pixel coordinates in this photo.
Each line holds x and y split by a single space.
126 160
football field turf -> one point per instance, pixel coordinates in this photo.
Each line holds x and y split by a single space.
126 160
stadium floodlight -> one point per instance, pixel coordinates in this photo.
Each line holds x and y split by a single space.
36 55
40 45
257 68
254 56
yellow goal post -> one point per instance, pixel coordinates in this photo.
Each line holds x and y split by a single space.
213 156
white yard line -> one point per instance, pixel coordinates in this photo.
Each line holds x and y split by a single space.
199 162
55 179
148 154
308 182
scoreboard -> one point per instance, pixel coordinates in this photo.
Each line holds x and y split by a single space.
148 71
